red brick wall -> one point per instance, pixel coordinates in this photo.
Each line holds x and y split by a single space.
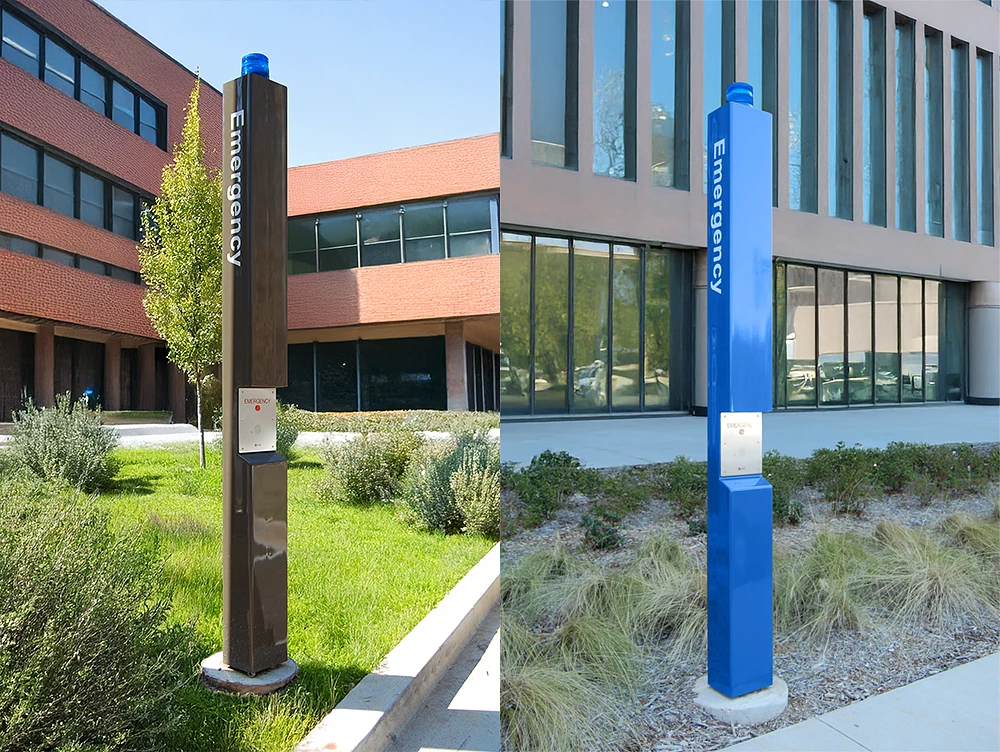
449 288
134 57
32 287
51 228
448 168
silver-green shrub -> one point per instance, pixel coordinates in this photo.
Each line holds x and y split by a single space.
455 487
65 443
287 433
369 468
88 660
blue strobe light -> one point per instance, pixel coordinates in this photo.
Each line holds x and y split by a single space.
256 62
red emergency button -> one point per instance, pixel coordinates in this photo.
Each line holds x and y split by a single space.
257 408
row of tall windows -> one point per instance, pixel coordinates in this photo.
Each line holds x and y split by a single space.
75 260
384 374
591 327
34 175
844 337
50 58
411 232
554 36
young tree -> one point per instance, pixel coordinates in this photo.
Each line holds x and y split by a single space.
180 257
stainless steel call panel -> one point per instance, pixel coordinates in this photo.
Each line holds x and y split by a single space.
258 420
742 446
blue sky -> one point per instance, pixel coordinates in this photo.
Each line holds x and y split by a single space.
363 76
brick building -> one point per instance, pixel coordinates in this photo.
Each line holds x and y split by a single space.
89 112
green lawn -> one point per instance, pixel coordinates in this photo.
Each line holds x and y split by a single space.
359 580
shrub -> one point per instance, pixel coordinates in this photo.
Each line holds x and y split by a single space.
413 420
845 474
368 469
784 473
456 486
600 528
287 433
65 444
898 465
543 485
87 659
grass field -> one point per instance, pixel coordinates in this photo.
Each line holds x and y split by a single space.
359 580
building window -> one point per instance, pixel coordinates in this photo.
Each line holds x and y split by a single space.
469 226
301 245
933 134
60 68
800 336
614 88
763 70
403 374
860 358
670 76
18 169
93 266
123 207
58 257
93 89
338 242
423 232
984 145
841 111
506 77
515 323
301 378
337 376
380 237
803 113
555 28
148 125
887 339
961 219
20 43
19 245
830 360
626 350
591 270
58 193
551 325
123 112
906 145
911 346
873 116
480 367
92 200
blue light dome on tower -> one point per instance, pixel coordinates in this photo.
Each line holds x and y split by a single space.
740 92
256 62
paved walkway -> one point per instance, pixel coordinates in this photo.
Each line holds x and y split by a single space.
955 711
638 441
463 711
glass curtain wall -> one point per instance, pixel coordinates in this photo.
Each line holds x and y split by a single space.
906 145
841 109
670 71
904 339
615 316
933 134
984 146
614 88
554 82
720 65
762 47
873 116
803 114
960 219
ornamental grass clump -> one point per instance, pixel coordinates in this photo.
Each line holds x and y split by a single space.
87 657
65 444
454 486
368 469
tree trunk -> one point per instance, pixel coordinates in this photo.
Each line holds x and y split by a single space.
201 428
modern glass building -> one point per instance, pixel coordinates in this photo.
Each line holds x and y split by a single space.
884 114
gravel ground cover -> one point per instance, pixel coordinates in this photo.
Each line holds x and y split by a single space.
822 676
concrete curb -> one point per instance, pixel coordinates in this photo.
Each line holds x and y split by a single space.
378 708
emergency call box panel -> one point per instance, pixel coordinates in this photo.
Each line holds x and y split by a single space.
258 420
742 445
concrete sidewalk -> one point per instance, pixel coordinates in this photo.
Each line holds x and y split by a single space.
616 442
955 711
463 711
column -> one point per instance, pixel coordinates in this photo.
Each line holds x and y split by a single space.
112 375
984 343
45 363
700 402
454 352
176 383
147 377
